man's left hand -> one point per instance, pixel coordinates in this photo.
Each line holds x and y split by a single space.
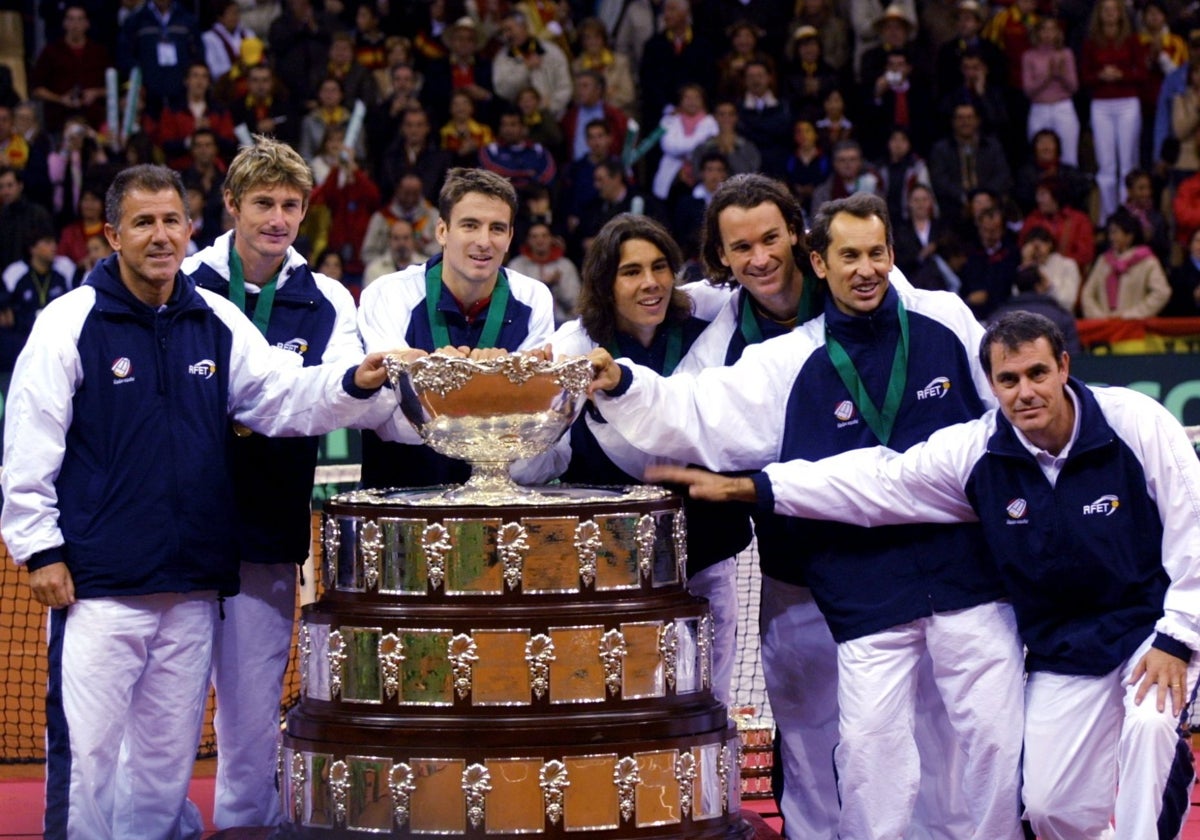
1169 673
702 484
371 374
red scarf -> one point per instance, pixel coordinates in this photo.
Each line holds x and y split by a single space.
1118 266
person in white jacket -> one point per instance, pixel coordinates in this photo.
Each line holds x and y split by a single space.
1088 498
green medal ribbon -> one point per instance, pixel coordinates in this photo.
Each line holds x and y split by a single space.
674 349
237 291
879 421
750 329
437 320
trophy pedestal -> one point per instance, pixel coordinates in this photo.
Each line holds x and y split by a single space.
529 668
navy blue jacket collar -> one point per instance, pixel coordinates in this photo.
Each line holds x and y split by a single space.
882 324
1094 431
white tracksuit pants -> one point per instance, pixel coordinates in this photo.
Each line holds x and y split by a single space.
132 676
718 583
977 669
1092 753
250 657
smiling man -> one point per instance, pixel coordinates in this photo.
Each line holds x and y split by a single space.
857 376
266 193
1088 499
118 501
461 298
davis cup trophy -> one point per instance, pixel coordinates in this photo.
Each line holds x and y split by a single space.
493 660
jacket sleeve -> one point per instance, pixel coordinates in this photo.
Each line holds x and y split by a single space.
344 347
383 321
1090 298
1156 291
867 486
1173 482
38 413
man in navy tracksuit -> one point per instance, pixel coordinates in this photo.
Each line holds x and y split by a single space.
117 499
1088 498
880 364
266 190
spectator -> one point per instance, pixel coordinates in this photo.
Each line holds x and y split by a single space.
463 136
1172 85
513 157
162 38
351 198
900 172
329 263
461 69
630 24
412 152
327 156
14 151
1141 203
196 109
768 17
895 28
1071 228
743 37
38 185
1047 162
1113 69
948 67
370 41
1185 124
223 46
764 119
900 99
688 215
358 83
683 130
540 126
807 76
850 175
79 158
869 25
985 92
265 109
1011 29
530 62
613 197
73 241
1050 80
1033 295
382 122
543 258
578 186
832 31
400 253
808 165
407 203
596 55
918 231
675 56
68 75
1165 52
1185 208
29 286
587 104
207 175
834 126
1127 280
1061 273
965 161
330 112
20 218
1185 283
299 40
742 154
991 266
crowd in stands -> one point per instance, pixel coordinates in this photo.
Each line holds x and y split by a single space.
1030 149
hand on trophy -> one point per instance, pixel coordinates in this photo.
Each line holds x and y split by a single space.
371 374
606 373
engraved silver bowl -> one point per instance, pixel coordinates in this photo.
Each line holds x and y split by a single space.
490 413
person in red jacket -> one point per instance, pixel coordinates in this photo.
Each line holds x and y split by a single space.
352 198
196 109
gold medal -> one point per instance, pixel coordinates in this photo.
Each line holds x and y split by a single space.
242 431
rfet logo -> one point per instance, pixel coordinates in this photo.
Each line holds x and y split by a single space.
938 387
122 367
204 368
296 345
1106 505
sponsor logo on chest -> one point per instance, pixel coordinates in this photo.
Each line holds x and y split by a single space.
1016 510
296 345
937 388
1106 505
204 368
122 371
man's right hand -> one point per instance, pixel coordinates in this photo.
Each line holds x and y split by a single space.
606 373
702 484
52 585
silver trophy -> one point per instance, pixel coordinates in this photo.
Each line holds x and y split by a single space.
490 413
